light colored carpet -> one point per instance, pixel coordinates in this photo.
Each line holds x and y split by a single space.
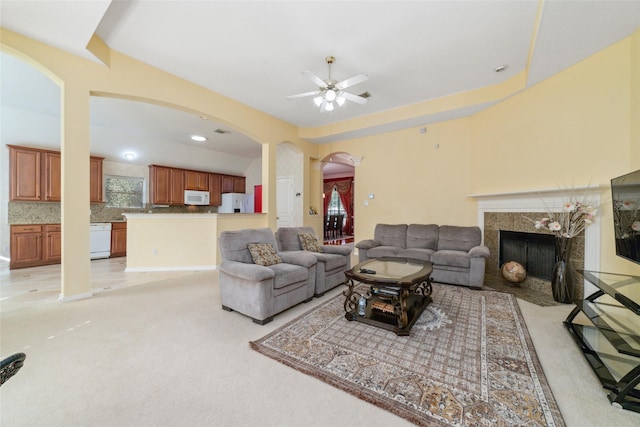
164 353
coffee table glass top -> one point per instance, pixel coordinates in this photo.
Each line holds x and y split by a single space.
392 269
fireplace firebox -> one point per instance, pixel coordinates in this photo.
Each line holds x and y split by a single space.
535 251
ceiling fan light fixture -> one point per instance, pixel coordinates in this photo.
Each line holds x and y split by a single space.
318 100
330 95
340 99
328 106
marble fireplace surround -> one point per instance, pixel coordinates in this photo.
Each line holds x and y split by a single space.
509 211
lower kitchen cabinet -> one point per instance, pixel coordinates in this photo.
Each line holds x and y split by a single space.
118 239
35 244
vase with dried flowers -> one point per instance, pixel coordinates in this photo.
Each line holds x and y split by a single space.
567 224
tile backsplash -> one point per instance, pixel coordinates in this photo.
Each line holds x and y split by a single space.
49 212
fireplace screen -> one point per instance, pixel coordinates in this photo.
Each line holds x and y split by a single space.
536 252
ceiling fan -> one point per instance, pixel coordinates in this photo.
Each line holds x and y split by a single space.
332 91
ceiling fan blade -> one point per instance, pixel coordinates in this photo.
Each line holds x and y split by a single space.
302 95
317 80
352 81
355 98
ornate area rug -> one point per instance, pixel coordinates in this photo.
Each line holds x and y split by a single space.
468 362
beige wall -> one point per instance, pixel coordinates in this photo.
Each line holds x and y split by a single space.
580 127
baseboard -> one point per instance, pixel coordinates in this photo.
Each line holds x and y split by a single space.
85 295
185 268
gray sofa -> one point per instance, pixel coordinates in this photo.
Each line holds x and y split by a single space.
333 261
456 252
258 291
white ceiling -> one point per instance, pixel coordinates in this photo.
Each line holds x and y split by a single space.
254 51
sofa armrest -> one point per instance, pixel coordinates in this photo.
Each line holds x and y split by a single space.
367 244
301 258
337 249
252 272
479 252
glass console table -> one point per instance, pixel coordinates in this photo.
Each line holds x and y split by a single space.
606 326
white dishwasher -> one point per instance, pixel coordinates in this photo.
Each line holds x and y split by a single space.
100 240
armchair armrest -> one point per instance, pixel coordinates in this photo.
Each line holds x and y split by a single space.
367 244
479 252
336 249
253 272
301 258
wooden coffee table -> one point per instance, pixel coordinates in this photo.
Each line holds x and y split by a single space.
399 292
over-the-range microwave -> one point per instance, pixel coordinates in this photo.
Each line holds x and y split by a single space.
193 197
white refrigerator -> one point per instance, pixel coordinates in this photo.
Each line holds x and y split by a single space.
232 203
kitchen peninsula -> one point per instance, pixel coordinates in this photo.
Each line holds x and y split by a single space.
189 241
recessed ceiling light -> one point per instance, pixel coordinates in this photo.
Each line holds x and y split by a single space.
501 68
129 156
198 138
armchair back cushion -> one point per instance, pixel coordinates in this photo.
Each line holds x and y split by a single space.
234 244
456 238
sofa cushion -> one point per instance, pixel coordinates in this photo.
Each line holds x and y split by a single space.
391 235
383 251
263 254
451 258
416 253
456 238
309 242
422 236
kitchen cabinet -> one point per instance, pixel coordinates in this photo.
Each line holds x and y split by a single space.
195 180
36 175
118 239
52 249
239 184
176 187
35 244
52 176
233 184
166 185
215 189
95 179
24 177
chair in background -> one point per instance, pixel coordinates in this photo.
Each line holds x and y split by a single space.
337 222
331 227
10 366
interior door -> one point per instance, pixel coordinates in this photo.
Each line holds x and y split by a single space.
284 201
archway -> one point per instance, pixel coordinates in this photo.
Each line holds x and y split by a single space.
338 177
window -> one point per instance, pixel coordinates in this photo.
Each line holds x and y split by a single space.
124 191
335 205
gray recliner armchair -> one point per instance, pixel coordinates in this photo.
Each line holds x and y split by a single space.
333 261
259 291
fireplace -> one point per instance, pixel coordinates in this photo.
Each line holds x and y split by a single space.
517 212
536 252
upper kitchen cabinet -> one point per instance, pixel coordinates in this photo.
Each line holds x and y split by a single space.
195 180
24 178
36 175
215 183
95 179
233 184
166 185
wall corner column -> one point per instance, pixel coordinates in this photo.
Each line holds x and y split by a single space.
75 209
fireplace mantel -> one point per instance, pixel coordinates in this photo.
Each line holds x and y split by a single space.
548 200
